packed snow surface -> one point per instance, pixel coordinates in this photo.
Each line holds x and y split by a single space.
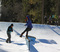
47 38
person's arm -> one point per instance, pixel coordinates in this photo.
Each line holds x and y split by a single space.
12 29
26 23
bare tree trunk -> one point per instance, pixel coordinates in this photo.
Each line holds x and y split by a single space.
0 9
57 7
42 11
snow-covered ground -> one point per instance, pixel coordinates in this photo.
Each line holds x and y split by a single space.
47 38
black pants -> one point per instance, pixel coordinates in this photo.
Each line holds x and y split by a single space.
9 38
26 30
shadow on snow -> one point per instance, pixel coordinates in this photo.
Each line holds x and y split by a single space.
0 44
0 30
2 40
47 41
19 43
17 32
52 28
2 50
32 48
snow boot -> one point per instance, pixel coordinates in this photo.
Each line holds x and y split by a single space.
21 35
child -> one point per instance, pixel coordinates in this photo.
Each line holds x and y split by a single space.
9 30
29 26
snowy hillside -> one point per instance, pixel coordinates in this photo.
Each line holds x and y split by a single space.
47 38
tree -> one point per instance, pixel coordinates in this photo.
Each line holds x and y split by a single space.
42 11
16 10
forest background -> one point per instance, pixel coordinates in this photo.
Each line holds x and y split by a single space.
16 10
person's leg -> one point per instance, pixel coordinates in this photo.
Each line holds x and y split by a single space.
26 34
22 33
28 29
9 38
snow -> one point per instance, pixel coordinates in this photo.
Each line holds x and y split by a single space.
47 38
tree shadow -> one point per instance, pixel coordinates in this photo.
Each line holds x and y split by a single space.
3 50
52 28
2 39
0 30
17 32
33 49
19 43
47 41
0 44
58 27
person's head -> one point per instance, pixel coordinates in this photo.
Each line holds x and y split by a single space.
27 17
11 25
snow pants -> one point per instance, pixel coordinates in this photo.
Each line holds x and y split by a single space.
9 37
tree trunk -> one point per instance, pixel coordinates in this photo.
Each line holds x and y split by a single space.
42 11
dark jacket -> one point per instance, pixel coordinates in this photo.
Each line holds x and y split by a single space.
10 29
29 23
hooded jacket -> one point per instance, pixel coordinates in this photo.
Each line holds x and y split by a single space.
28 23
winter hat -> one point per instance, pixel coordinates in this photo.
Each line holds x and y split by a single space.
11 24
27 16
